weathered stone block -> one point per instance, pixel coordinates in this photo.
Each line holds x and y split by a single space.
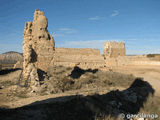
114 49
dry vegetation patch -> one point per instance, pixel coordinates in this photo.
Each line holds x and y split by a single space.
137 96
154 57
61 79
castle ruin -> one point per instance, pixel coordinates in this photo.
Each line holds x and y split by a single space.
114 49
40 53
38 48
38 42
85 58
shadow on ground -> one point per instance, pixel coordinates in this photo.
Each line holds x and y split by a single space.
93 107
41 74
7 71
77 72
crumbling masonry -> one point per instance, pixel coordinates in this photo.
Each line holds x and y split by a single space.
114 49
40 53
38 48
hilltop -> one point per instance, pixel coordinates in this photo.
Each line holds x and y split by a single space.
10 57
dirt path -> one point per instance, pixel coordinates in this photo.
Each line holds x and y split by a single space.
153 80
58 97
150 74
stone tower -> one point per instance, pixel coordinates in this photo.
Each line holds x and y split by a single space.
38 46
41 43
114 49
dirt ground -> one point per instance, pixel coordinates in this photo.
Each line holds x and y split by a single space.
149 73
10 98
90 100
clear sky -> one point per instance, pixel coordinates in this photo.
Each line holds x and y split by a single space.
85 23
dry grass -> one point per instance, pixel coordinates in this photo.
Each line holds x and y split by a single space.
6 84
7 66
152 106
155 57
60 79
9 79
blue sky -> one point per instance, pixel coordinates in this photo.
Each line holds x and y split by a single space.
85 23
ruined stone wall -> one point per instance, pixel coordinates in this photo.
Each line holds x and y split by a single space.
40 53
75 51
38 44
82 57
38 49
130 61
114 53
114 49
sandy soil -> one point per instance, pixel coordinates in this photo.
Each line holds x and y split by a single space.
26 101
150 74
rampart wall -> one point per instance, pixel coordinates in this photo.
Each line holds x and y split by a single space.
130 61
82 57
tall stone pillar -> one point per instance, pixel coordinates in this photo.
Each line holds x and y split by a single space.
38 48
